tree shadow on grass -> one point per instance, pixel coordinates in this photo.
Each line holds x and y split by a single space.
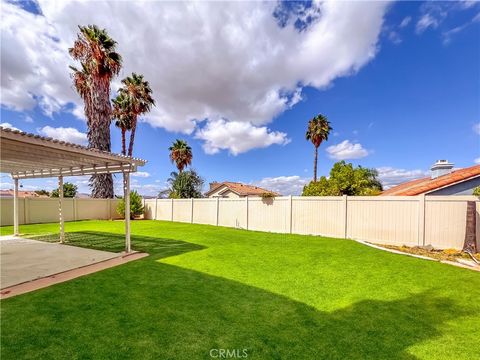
158 247
159 311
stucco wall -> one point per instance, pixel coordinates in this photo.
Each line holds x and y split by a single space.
464 188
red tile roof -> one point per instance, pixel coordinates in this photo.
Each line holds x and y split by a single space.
240 189
427 184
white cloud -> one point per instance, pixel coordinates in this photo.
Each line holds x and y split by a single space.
28 119
405 21
9 126
390 176
238 137
233 60
346 150
477 160
394 37
285 185
147 189
449 34
69 134
426 21
476 128
141 174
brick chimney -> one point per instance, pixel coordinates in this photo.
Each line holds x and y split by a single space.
441 167
213 184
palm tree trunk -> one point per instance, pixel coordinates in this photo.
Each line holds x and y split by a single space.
315 165
124 145
132 137
99 116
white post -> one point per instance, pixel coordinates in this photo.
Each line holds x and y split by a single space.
345 215
26 207
75 210
218 208
156 207
290 211
191 210
246 203
15 208
126 197
421 220
60 208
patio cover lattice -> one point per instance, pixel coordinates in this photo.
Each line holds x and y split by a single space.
29 156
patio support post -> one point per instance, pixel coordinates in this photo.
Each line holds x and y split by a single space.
15 208
126 196
60 208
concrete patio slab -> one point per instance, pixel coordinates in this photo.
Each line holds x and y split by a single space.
24 260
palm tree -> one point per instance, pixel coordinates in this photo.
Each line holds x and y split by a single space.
180 154
139 94
95 51
318 130
123 117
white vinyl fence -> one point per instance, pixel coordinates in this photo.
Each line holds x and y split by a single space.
397 220
45 210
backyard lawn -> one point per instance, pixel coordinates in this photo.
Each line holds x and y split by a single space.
278 296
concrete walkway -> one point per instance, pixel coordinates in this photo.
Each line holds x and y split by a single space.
24 260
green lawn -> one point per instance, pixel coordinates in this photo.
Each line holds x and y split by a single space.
278 296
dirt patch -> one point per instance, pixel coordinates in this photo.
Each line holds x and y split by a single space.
447 254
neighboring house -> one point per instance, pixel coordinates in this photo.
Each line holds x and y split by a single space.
229 189
442 181
21 194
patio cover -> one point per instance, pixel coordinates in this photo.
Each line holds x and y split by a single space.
29 156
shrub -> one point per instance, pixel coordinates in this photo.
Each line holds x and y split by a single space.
267 195
476 191
69 191
136 206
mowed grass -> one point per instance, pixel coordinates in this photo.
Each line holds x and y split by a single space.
277 296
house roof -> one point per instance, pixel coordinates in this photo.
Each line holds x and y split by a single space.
240 189
27 155
427 184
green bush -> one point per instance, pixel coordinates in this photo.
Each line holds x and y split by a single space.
136 206
476 191
345 179
69 191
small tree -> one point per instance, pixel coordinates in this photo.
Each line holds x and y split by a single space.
476 191
136 206
345 179
69 191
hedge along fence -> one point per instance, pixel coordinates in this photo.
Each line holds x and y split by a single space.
45 210
396 220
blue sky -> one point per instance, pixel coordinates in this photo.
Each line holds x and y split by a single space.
400 83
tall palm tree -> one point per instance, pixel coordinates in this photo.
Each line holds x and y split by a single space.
180 154
123 117
95 51
318 130
139 94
